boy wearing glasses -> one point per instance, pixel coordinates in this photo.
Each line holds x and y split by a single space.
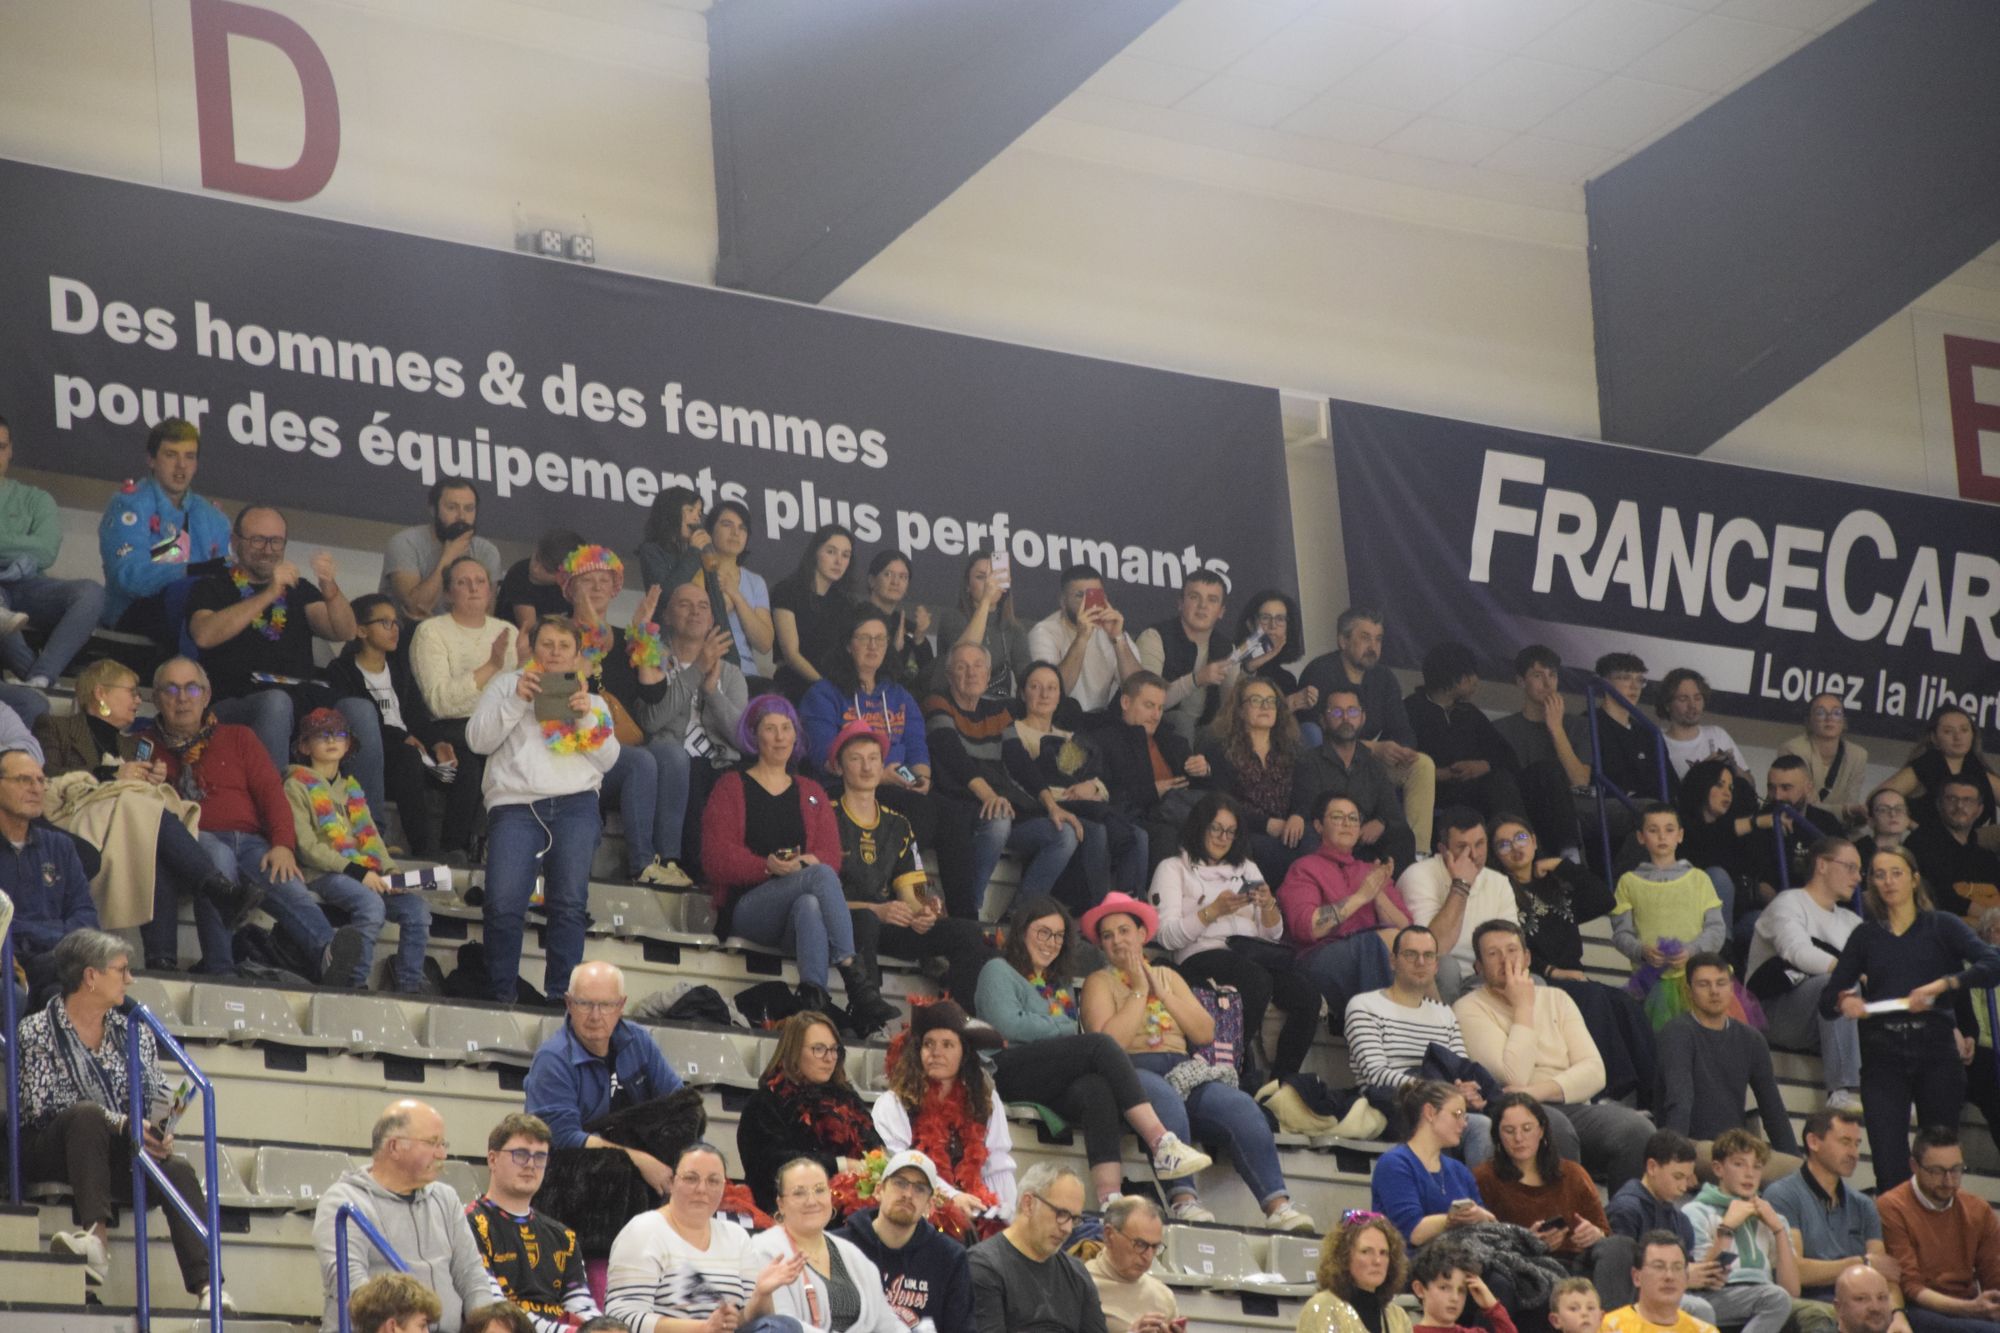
1946 1243
533 1259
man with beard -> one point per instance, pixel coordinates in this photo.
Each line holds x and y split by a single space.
1343 765
924 1273
413 565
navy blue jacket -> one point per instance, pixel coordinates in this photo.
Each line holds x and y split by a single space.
570 1088
929 1278
50 891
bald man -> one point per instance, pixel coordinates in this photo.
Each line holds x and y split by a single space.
422 1218
1862 1301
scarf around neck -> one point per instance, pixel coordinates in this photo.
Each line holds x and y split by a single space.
341 815
189 752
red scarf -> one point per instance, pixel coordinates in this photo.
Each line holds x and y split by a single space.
831 1112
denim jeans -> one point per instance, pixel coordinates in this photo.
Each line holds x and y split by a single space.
1035 838
365 910
67 608
289 902
804 913
558 833
1216 1113
271 715
1347 967
28 704
180 864
650 784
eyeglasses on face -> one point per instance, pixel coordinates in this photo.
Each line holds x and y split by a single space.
870 641
912 1185
1522 840
806 1193
277 543
529 1157
1827 714
820 1050
389 621
1222 830
1944 1172
598 1006
1342 817
1260 700
1064 1218
439 1144
689 1180
1668 1267
1146 1248
1273 619
1351 714
194 689
1043 935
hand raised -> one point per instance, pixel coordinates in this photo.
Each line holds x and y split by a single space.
497 657
322 566
647 605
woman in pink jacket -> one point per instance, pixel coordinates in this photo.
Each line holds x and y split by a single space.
1341 912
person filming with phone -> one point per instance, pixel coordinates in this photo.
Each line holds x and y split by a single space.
549 743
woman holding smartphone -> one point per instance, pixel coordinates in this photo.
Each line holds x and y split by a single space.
984 615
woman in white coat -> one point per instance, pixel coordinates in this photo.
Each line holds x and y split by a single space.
941 1103
839 1290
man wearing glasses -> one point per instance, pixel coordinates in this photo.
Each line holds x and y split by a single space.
1660 1274
39 871
1946 1243
420 1216
533 1258
1134 1300
1961 872
597 1063
255 624
1022 1282
924 1273
1344 766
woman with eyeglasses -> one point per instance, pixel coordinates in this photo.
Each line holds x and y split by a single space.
910 655
1029 996
941 1103
1341 913
141 830
1529 1185
1275 615
1418 1185
1836 766
454 657
803 1107
1362 1268
1908 954
676 1268
1156 1019
1221 922
1252 749
838 1289
1045 723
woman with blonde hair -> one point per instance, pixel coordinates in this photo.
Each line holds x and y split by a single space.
1362 1265
103 791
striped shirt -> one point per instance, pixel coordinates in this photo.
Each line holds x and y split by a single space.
654 1271
1386 1042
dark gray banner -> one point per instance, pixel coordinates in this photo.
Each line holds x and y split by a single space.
340 369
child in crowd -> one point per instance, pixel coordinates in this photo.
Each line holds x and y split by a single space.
1745 1233
340 845
1441 1286
1664 911
1574 1307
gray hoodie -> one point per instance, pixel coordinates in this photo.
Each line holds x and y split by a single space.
428 1232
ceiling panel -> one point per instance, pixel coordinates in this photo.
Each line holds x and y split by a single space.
1621 112
1548 159
1417 73
1313 52
1147 82
1714 54
1518 93
1346 121
1446 140
1504 25
1608 35
1209 34
1244 101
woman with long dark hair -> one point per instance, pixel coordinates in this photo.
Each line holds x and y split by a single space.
1906 951
810 608
1950 748
804 1106
1528 1184
910 654
1252 749
941 1103
744 592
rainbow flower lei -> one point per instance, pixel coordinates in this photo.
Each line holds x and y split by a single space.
1062 1004
594 644
271 621
645 648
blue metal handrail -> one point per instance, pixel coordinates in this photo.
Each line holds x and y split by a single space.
1799 817
146 1173
13 1020
1594 689
342 1215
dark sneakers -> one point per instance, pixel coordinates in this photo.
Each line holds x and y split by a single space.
341 965
236 899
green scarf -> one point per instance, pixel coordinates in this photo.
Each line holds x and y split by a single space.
1751 1253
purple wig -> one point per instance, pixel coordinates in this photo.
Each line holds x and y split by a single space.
761 707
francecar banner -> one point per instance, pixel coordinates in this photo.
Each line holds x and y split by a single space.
1774 586
342 369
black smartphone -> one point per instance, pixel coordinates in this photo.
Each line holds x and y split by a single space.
1553 1224
143 752
1725 1259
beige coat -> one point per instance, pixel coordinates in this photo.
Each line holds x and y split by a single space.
1327 1313
122 820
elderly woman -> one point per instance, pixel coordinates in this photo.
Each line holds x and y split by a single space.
103 793
74 1129
1362 1267
770 848
838 1289
803 1107
1150 1012
672 1268
984 614
941 1103
1223 926
650 780
454 657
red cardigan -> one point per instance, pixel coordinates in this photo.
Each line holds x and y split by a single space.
729 865
242 790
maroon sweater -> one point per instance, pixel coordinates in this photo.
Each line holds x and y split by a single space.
242 791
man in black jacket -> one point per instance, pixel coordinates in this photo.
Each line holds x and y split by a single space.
1146 766
1343 765
370 668
924 1274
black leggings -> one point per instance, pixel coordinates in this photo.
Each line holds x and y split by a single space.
463 799
403 779
1258 986
1086 1078
1907 1060
962 944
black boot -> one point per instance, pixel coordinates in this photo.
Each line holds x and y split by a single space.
815 998
235 899
865 1005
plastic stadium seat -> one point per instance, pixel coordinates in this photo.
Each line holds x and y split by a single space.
689 913
476 1036
1296 1260
627 912
247 1013
365 1024
868 1070
298 1176
705 1059
1204 1257
234 1193
153 993
467 1179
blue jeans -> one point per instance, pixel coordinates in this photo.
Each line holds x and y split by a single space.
27 704
270 714
803 912
180 864
650 783
289 902
1216 1113
1035 838
366 910
559 833
67 608
1347 967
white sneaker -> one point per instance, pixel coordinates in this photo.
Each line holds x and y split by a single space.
228 1305
90 1246
1187 1208
40 682
1291 1218
1173 1159
1847 1099
665 875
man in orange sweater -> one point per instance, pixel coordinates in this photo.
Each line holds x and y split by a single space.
1945 1242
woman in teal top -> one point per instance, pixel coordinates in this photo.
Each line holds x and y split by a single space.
1026 996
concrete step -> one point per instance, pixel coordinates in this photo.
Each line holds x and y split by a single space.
37 1275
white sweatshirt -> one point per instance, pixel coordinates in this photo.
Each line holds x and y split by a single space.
520 766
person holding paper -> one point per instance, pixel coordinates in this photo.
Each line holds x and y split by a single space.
1911 956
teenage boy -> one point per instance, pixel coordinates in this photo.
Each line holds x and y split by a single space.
1660 1275
533 1258
1762 1284
1442 1286
1651 1205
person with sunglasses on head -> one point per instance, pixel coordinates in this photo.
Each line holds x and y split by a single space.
1363 1265
534 1259
680 1268
338 842
371 668
1022 1282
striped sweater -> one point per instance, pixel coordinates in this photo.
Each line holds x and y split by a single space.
1386 1041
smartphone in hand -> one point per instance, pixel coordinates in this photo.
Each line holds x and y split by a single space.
552 704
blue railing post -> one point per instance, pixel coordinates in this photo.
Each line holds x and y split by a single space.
1595 689
146 1173
13 1020
1784 853
342 1216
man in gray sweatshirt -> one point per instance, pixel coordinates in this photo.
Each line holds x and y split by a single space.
422 1219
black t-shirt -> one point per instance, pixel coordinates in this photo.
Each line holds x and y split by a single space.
1631 758
1964 878
874 860
533 1258
288 653
771 823
517 589
821 619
